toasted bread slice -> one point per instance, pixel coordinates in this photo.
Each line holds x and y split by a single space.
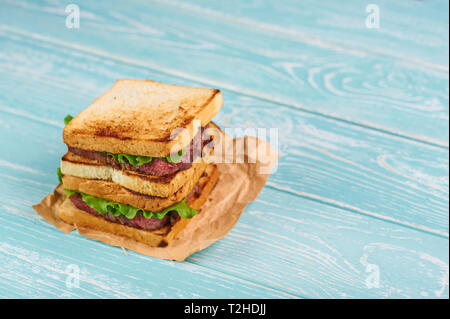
155 238
114 192
162 186
140 117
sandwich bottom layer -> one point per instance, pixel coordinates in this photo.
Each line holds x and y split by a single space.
139 221
153 232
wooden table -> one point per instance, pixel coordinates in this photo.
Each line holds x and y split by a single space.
358 207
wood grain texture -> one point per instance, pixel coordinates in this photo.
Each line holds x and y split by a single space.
339 164
345 198
320 251
37 261
282 246
415 31
369 90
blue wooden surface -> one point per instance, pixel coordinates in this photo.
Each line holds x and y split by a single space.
363 117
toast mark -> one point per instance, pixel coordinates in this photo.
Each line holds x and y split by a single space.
166 179
170 136
107 132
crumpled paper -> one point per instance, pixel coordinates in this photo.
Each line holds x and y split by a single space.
239 183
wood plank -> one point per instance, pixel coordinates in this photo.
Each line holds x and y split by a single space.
338 164
315 250
39 261
415 31
283 246
320 251
370 90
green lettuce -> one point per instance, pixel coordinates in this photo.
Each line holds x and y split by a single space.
104 206
132 159
59 173
175 158
140 160
67 119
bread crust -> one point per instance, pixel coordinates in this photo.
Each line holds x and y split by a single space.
156 238
137 117
162 186
114 192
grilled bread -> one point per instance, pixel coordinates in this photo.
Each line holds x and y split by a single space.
138 117
156 238
114 192
162 186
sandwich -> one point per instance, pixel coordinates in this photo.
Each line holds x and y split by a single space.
137 161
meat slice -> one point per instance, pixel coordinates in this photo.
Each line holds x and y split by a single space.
158 166
139 221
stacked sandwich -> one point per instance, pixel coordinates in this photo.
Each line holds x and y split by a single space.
137 161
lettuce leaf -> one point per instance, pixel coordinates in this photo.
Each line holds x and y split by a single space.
70 192
175 158
67 119
59 173
140 160
104 206
132 159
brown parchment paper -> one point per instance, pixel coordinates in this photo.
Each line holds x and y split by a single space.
239 183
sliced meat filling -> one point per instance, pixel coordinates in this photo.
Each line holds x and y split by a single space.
139 221
158 166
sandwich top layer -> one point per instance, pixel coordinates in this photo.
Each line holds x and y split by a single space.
144 118
154 166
